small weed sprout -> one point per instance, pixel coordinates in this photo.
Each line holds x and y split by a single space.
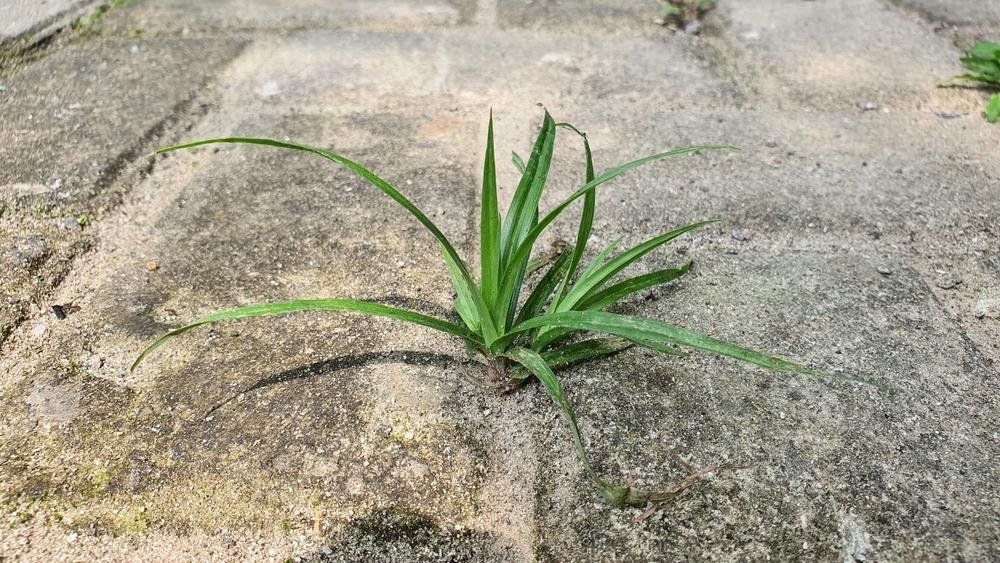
983 62
684 14
520 333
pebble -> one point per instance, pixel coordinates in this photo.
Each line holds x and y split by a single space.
947 283
69 223
771 144
693 27
987 304
487 412
742 234
31 249
884 269
867 106
95 362
152 265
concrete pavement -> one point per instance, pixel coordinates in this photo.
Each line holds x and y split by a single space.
860 234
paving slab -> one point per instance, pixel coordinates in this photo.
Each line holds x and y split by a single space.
834 471
325 436
21 17
955 13
225 234
113 95
174 16
867 175
839 56
594 16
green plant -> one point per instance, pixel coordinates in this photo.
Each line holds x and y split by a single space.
983 62
519 334
684 14
85 22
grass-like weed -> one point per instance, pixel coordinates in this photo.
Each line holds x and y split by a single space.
522 331
983 62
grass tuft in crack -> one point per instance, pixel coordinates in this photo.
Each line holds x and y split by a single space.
519 332
983 62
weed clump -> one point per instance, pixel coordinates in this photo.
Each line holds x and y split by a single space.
518 331
983 62
684 14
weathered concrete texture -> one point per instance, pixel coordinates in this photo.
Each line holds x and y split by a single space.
252 225
173 16
21 17
604 16
474 67
841 55
955 13
831 466
853 240
811 181
115 96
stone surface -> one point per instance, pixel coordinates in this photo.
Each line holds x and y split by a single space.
115 97
830 466
326 436
21 17
833 55
181 16
601 16
955 13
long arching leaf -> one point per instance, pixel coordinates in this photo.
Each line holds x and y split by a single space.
590 285
615 293
586 216
510 275
464 280
521 218
281 307
641 329
615 495
534 363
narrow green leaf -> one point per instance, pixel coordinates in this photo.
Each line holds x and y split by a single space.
520 219
464 300
986 50
616 495
586 217
350 305
984 67
488 326
641 329
655 346
537 366
592 284
518 163
973 77
584 350
600 259
524 203
547 336
509 278
993 108
615 293
543 290
489 225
